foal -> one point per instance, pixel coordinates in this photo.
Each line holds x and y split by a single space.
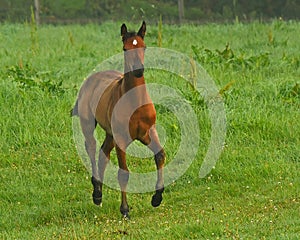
97 103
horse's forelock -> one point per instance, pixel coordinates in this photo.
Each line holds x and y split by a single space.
129 35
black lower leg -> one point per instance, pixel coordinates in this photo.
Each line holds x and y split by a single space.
123 177
124 208
157 198
97 193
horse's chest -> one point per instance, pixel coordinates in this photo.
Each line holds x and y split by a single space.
142 120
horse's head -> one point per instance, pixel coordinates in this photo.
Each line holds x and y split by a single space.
134 49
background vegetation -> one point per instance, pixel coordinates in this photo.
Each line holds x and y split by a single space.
253 193
67 11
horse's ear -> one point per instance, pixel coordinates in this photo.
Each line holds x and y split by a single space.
142 30
123 30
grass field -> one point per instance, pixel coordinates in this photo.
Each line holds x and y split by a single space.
254 190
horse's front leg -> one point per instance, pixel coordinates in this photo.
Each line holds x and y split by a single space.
152 141
159 161
123 177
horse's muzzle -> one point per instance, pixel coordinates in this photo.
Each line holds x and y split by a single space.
138 71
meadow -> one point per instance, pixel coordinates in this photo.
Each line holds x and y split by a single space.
252 193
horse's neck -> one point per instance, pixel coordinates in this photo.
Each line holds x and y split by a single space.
130 82
136 86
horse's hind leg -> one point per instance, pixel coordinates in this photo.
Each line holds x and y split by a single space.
88 126
104 156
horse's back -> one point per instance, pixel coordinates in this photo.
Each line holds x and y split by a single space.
100 80
91 91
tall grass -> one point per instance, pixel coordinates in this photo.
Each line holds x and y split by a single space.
253 193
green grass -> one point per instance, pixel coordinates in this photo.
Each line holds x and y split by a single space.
253 192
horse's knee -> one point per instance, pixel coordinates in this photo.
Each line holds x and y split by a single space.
160 158
123 177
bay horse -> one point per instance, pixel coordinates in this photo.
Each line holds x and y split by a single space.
96 104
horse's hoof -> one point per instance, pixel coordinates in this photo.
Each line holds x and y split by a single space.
125 212
126 216
97 198
97 201
156 199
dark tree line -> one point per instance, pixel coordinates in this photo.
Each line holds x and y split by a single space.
194 10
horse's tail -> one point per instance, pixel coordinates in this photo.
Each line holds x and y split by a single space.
74 111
